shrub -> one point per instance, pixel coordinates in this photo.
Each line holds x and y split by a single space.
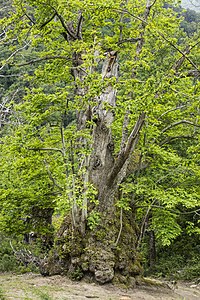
8 261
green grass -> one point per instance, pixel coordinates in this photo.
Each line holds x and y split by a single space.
42 295
2 296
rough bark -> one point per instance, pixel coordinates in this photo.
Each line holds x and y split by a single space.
106 252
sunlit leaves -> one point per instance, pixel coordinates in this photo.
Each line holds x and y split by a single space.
46 151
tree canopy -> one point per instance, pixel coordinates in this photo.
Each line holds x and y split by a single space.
99 121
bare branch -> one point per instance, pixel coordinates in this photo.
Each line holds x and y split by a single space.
149 5
12 75
13 54
29 18
143 227
180 61
24 12
170 110
180 51
132 15
48 21
79 27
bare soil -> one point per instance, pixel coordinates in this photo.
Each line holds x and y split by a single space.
33 287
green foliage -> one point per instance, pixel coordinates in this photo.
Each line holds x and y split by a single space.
177 267
8 262
93 219
76 274
179 260
190 24
42 295
45 155
2 296
165 226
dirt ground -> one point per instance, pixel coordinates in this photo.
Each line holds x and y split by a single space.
33 287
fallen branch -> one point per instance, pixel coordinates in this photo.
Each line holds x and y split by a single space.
26 257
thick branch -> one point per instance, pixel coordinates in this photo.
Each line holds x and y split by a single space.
134 133
180 61
193 73
130 145
70 33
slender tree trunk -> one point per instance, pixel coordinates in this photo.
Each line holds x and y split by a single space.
152 249
151 244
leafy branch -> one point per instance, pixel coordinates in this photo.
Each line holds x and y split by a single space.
169 139
43 58
145 22
178 123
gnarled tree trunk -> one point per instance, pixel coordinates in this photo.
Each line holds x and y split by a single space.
105 251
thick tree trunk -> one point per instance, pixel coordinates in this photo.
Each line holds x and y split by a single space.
105 254
105 251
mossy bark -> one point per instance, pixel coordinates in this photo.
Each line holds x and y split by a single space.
96 256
